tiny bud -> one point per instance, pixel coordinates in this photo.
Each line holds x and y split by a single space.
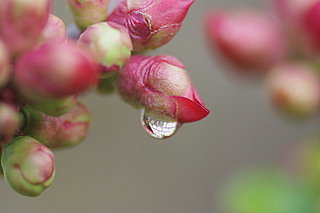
21 22
162 86
10 119
88 12
4 65
55 70
249 40
55 132
312 25
295 89
55 30
110 43
28 166
151 23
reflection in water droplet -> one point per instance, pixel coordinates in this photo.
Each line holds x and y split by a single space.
157 128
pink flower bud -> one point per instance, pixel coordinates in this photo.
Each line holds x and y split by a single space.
88 12
162 86
295 89
55 70
312 25
54 132
21 22
151 23
110 42
28 166
4 65
55 30
292 10
249 40
10 120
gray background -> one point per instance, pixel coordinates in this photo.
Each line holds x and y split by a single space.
119 169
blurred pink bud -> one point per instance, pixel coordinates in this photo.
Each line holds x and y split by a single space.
55 132
292 10
312 24
55 30
4 65
21 22
55 70
162 86
28 166
295 89
10 119
249 40
151 23
110 43
88 12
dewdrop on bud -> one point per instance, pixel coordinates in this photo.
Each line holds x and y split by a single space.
21 22
151 23
161 87
28 166
56 132
110 43
249 40
88 12
295 89
55 70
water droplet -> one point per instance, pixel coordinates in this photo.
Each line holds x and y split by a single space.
157 128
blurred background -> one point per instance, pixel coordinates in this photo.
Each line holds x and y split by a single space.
120 169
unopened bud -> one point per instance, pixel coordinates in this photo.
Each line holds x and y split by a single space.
295 89
151 23
110 43
88 12
55 132
55 70
28 166
55 30
21 22
10 119
249 40
162 86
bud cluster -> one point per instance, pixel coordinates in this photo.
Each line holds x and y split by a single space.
43 72
283 49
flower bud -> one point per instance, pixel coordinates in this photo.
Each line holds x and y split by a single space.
55 70
312 25
10 119
4 65
110 42
21 22
88 12
55 132
55 30
28 166
295 89
292 10
162 86
151 23
249 40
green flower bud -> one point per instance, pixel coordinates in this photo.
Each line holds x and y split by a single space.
88 12
28 166
55 132
111 44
